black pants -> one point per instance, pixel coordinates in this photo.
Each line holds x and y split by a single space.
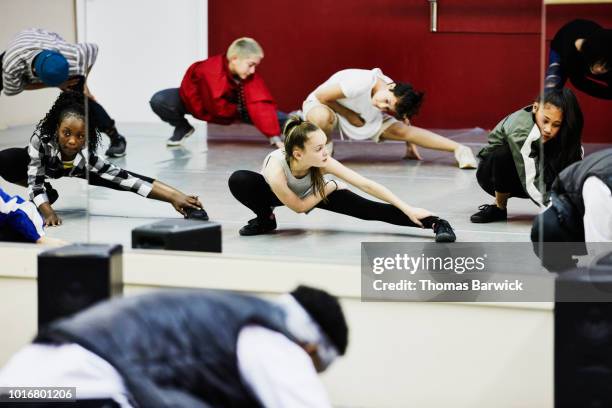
168 105
103 120
14 169
252 190
497 172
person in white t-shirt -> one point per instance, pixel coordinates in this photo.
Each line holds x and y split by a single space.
365 104
188 348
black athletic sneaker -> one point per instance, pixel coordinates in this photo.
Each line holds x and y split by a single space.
196 214
489 213
180 134
52 193
117 146
444 232
258 226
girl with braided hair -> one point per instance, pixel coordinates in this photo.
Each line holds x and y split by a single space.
64 144
295 177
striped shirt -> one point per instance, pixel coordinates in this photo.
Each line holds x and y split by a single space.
46 161
17 63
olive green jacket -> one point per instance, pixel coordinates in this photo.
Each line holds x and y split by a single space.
520 132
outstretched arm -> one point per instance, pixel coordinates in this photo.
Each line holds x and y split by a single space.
373 188
179 200
36 182
147 188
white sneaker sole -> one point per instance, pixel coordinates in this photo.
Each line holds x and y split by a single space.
115 155
172 143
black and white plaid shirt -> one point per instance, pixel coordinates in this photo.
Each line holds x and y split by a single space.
46 161
17 63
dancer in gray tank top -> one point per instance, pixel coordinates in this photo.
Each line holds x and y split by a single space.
295 177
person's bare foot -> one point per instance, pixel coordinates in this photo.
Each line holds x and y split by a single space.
465 158
45 240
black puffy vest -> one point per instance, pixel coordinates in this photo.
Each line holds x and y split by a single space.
570 181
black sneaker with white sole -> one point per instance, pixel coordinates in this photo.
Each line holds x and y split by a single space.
489 213
443 230
117 146
258 226
179 135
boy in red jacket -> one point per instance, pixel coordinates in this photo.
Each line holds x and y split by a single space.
223 90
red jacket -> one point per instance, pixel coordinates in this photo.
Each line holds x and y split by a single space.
208 88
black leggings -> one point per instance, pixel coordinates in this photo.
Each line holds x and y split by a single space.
14 169
252 190
497 172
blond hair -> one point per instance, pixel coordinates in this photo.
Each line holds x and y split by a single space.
244 47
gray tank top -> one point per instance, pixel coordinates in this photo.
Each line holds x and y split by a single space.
300 186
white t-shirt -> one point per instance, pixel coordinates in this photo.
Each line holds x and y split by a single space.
278 371
597 210
65 365
356 85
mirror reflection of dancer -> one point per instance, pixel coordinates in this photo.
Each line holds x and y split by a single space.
295 177
38 58
527 150
57 149
581 51
366 104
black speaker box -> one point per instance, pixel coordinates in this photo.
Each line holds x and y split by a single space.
179 235
74 277
583 337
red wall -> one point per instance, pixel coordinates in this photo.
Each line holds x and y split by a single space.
597 112
470 79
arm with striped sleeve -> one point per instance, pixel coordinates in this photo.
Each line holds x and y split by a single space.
36 172
150 188
122 178
12 81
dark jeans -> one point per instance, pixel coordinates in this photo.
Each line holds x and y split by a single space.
169 106
252 190
497 172
14 169
103 120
